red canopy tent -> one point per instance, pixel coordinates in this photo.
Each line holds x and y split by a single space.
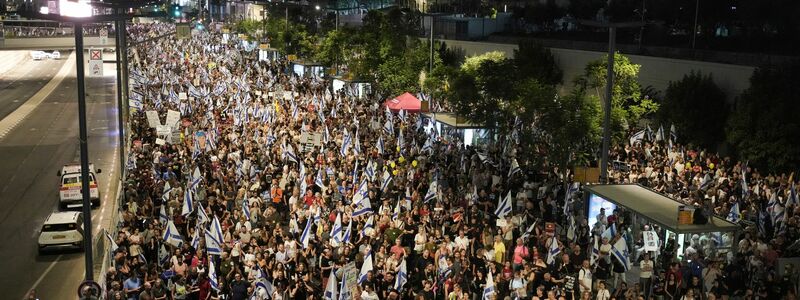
406 101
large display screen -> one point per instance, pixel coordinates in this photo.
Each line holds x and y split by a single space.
595 204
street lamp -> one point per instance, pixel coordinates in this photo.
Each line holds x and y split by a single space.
612 39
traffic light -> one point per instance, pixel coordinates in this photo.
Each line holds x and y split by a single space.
176 11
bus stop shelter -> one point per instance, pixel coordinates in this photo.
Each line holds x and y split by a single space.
654 207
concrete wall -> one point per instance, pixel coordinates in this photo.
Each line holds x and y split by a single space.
54 43
655 71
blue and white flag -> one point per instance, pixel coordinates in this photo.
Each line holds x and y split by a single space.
504 207
488 289
111 241
514 168
202 217
213 246
552 251
344 294
306 236
319 181
331 292
363 207
370 170
610 232
379 145
246 207
402 276
162 215
346 140
388 128
188 203
620 252
595 251
212 274
336 231
734 215
289 153
348 232
195 240
432 191
387 179
369 224
366 267
171 235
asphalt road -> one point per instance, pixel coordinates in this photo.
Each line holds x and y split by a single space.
21 77
32 153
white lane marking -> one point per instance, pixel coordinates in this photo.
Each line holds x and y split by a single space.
9 122
52 264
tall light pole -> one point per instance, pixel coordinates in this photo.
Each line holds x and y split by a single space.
612 36
696 13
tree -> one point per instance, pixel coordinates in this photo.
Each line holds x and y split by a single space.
697 108
763 127
534 61
627 104
572 127
472 63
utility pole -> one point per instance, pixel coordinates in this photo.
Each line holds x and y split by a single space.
82 139
612 36
694 28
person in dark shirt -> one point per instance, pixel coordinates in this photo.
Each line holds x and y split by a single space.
238 288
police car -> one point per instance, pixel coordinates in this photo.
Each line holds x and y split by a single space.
62 230
70 192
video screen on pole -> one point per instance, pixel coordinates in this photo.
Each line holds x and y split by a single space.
595 204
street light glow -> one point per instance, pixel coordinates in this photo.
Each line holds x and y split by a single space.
316 7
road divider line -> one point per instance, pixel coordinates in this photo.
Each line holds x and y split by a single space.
13 119
49 268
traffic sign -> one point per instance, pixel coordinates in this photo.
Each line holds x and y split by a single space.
95 62
103 36
182 31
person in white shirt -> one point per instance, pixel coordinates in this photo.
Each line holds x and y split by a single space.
585 277
645 274
602 292
461 241
419 240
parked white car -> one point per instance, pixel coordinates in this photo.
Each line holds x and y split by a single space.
39 55
55 55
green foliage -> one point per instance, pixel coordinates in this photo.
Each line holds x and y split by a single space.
535 61
292 40
697 108
572 124
764 127
472 63
627 104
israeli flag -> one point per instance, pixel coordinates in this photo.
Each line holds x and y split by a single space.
514 168
734 215
113 243
793 195
188 203
553 251
266 285
336 231
344 294
346 140
595 251
163 255
366 267
610 232
348 232
162 214
388 128
402 276
213 247
370 170
387 178
431 193
246 208
369 224
488 289
171 235
166 192
202 217
195 240
379 145
319 181
357 144
620 252
306 236
331 292
212 274
529 231
637 137
504 207
364 207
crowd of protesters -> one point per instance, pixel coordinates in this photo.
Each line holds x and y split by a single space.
231 203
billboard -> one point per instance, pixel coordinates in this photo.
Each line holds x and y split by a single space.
595 203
